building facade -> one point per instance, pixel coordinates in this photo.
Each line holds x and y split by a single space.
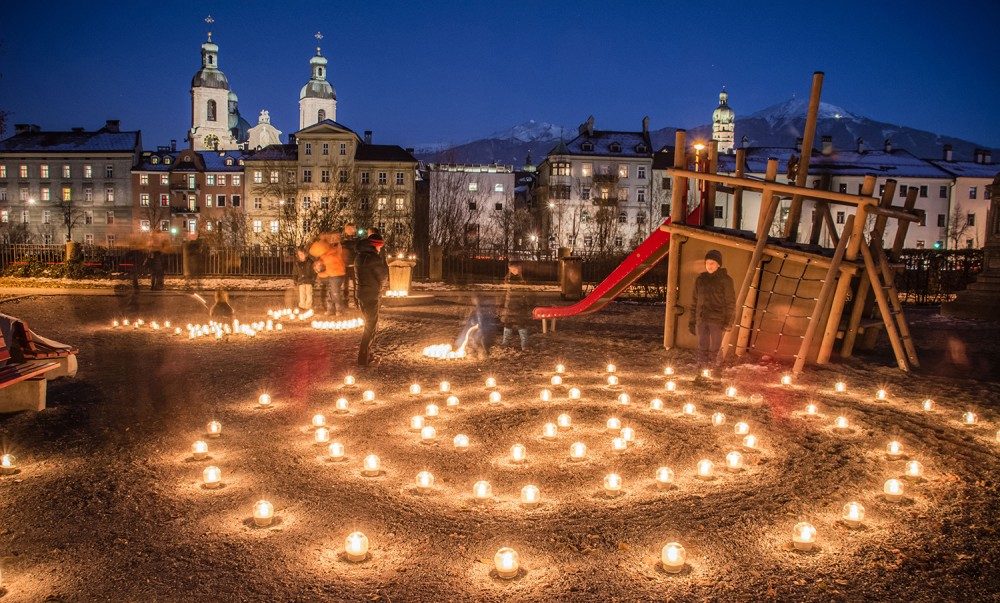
472 207
595 190
969 197
61 186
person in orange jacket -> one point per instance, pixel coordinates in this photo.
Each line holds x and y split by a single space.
330 270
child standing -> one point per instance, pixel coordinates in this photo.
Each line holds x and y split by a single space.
714 304
304 277
516 310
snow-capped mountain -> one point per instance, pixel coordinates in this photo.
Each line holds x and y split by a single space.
510 146
796 107
531 131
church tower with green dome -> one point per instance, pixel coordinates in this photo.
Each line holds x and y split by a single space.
724 123
318 99
210 102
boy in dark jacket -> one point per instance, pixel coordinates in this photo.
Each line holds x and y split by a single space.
372 272
714 301
516 310
304 277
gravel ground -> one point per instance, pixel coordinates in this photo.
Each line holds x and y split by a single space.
108 504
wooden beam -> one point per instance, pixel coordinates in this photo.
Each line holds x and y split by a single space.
885 309
741 159
708 210
673 261
830 226
808 137
904 227
785 190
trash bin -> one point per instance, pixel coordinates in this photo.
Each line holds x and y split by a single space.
571 277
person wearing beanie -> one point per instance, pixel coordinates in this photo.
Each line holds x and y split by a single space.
372 272
713 305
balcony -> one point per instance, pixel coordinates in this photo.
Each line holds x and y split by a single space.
185 210
605 178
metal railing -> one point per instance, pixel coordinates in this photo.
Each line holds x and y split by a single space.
932 276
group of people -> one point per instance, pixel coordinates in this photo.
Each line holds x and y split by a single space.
335 262
513 315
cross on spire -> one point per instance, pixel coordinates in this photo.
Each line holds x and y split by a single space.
319 37
209 20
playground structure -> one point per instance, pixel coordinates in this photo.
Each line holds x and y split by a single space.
794 301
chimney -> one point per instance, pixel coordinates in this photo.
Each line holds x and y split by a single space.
744 142
861 145
368 136
987 156
173 144
798 145
26 128
888 145
948 152
645 125
409 150
590 126
827 145
77 129
112 125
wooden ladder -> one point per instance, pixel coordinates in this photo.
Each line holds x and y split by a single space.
883 285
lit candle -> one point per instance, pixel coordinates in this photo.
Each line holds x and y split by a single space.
705 468
263 513
415 389
928 405
444 387
734 461
371 466
349 381
628 434
688 408
730 392
530 496
461 441
199 450
341 405
356 547
518 453
212 477
612 484
624 399
452 401
564 422
706 374
556 380
427 434
894 450
656 405
718 419
786 379
577 451
549 431
425 481
741 428
664 477
114 324
495 397
491 382
804 536
914 470
970 418
672 557
614 424
416 422
506 562
368 396
611 368
841 424
668 370
618 444
811 410
8 464
881 395
214 429
336 450
322 436
264 400
318 420
612 380
560 368
574 393
893 490
545 395
432 410
670 386
840 387
482 490
854 514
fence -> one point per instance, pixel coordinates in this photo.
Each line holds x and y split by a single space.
931 276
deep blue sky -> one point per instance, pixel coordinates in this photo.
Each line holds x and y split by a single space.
417 72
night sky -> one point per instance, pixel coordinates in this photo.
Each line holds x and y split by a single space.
419 73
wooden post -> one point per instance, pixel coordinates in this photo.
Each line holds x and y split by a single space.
673 260
830 226
823 300
885 309
750 306
861 305
820 208
769 204
903 227
741 159
844 284
808 137
708 209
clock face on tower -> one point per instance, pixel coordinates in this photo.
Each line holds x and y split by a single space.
211 141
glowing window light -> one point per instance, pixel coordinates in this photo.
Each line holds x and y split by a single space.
734 461
618 444
628 434
914 470
718 419
432 410
574 393
705 469
368 396
741 428
656 405
199 450
730 392
356 547
427 434
371 466
624 399
750 441
416 422
545 395
564 422
893 490
318 420
214 429
452 401
212 477
927 405
549 431
556 380
664 477
264 400
688 408
614 424
341 405
507 563
415 389
672 557
460 441
491 382
425 481
612 484
804 536
321 436
530 496
336 451
894 449
670 386
263 513
854 514
518 454
577 451
970 418
495 397
444 387
482 490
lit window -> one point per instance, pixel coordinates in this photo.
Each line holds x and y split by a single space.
274 227
164 200
164 179
88 239
46 196
623 171
65 171
43 171
109 195
5 216
400 203
258 226
144 179
88 194
88 171
381 203
67 193
473 187
191 181
258 177
144 225
273 177
209 179
498 187
192 225
237 179
110 239
306 202
164 225
23 171
586 170
560 168
24 216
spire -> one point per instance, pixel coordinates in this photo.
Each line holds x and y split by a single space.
209 20
319 37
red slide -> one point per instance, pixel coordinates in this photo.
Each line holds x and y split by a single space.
645 256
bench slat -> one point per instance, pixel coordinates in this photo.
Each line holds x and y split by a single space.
15 373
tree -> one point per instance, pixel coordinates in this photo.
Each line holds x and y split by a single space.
72 216
14 233
958 225
505 227
456 211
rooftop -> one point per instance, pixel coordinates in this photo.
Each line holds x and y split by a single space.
895 163
32 139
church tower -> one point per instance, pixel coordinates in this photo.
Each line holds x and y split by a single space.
210 102
724 123
318 99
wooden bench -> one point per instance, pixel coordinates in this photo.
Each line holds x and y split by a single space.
22 384
27 346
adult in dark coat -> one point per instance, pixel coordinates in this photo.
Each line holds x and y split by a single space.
349 244
156 270
373 272
714 304
515 313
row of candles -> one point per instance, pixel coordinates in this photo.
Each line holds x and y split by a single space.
216 330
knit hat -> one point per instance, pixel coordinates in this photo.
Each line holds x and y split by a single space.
375 238
714 254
